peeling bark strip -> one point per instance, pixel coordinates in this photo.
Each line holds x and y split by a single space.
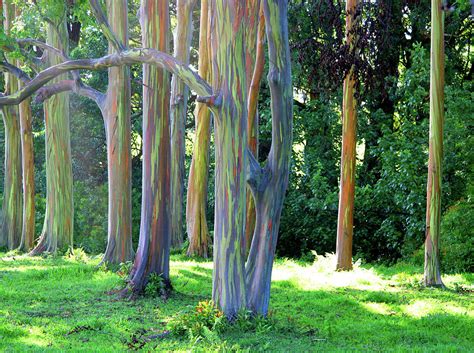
116 108
228 26
345 218
432 275
196 222
155 227
59 219
270 183
12 202
179 103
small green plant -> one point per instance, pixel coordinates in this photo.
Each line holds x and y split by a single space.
203 321
77 255
124 269
155 286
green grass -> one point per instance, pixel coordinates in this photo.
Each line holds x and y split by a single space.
62 304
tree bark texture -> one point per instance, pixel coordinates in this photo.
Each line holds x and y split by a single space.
228 26
59 218
117 110
345 220
155 227
196 221
12 200
179 104
432 275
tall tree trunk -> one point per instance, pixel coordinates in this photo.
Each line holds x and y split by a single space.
228 26
28 168
179 104
256 38
432 276
155 227
196 222
12 205
118 131
345 221
269 184
59 219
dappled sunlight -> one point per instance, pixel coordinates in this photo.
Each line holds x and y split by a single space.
378 308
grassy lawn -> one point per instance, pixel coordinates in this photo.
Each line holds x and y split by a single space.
61 304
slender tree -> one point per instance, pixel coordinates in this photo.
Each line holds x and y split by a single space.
59 218
432 276
11 229
179 100
255 39
117 108
269 183
155 227
196 221
345 220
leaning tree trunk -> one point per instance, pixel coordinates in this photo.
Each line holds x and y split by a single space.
229 80
12 206
432 276
269 183
117 109
345 220
255 38
28 167
179 104
155 227
196 222
59 219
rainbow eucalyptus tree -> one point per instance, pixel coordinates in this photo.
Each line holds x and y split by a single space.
345 221
155 226
59 217
255 61
196 222
179 100
432 276
11 229
116 113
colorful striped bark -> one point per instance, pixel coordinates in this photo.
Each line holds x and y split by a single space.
345 221
117 110
12 203
255 39
196 222
59 219
28 168
228 26
179 103
269 184
432 276
155 227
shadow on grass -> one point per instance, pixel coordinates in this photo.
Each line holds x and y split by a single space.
62 304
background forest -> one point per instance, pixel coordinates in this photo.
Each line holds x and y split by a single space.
392 145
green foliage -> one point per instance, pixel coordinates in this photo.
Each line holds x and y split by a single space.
457 231
156 285
199 322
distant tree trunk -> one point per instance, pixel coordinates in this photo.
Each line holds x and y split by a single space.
269 183
345 222
155 227
179 104
118 132
228 26
28 168
59 219
12 206
432 276
196 222
256 39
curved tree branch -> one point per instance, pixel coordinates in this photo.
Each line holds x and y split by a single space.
15 71
129 57
105 26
